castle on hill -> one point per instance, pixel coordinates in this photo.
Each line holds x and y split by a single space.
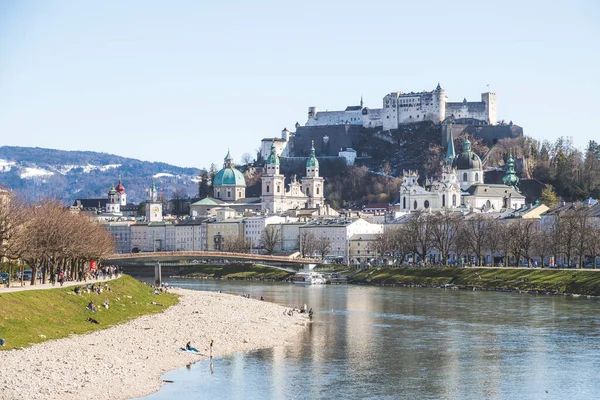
403 108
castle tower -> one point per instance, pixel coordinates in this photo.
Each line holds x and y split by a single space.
439 100
490 107
312 184
273 184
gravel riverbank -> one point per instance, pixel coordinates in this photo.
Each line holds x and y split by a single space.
128 360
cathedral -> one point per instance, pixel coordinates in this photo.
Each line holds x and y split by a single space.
461 186
229 188
305 194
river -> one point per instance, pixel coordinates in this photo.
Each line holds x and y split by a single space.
388 343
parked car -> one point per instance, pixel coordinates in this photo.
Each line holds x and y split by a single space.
4 277
27 275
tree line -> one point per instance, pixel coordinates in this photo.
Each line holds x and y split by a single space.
50 238
445 238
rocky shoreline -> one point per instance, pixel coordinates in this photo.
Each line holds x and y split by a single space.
127 361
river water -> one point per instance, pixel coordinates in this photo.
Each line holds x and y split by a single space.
390 343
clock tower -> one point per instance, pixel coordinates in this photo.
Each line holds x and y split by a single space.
153 206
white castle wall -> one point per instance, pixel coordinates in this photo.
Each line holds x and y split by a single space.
402 108
335 118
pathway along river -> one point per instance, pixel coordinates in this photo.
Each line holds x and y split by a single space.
388 343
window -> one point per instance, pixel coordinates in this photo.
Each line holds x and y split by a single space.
404 202
317 190
426 204
415 205
267 188
476 176
464 177
308 191
453 200
278 189
443 200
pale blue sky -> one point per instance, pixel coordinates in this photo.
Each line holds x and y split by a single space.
184 82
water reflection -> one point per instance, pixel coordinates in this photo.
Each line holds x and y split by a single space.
368 342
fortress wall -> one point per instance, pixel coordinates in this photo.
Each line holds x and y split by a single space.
328 139
475 110
336 118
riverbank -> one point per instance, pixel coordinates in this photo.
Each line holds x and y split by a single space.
127 360
237 271
546 281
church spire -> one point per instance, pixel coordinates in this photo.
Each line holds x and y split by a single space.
510 175
361 101
450 154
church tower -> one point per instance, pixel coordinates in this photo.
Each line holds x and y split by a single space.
312 184
510 175
273 189
153 206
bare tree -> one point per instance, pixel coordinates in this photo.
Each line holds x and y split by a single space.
269 238
307 243
246 158
322 246
444 231
476 232
419 233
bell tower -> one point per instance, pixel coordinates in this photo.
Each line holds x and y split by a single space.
153 206
273 184
312 184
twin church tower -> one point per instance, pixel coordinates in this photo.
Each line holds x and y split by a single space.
229 185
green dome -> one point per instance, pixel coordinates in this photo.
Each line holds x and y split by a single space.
467 159
312 160
229 177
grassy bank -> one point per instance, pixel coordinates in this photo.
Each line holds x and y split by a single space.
34 316
237 271
540 280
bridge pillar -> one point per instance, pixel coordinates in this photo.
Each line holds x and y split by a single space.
157 274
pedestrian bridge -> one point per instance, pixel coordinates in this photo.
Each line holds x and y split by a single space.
194 257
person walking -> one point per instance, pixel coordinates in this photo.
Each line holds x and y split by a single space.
211 348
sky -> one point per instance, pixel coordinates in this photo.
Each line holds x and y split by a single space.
182 82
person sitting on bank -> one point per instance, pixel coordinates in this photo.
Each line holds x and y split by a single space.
188 347
91 306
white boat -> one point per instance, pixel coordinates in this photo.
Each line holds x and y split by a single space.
308 278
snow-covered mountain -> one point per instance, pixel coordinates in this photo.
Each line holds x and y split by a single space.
68 175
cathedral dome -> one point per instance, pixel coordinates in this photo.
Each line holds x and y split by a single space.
229 176
112 190
467 159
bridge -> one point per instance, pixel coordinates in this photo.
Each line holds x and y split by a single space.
188 258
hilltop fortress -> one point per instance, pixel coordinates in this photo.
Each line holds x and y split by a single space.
405 108
352 133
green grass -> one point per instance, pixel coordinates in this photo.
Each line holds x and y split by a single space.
57 313
544 280
238 271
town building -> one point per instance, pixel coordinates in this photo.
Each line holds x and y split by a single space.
337 233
